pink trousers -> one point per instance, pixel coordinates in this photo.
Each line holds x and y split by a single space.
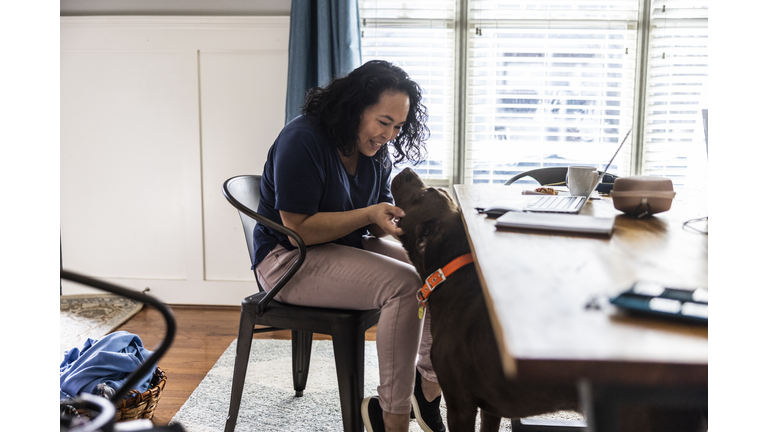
379 277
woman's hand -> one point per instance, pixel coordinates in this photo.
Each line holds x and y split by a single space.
325 227
384 218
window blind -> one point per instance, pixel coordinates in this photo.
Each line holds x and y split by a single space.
550 83
673 142
419 36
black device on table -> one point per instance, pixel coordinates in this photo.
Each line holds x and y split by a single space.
654 299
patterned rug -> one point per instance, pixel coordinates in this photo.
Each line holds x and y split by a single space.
84 316
268 401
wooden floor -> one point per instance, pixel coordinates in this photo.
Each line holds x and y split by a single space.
202 335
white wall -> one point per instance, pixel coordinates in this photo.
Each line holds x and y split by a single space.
156 112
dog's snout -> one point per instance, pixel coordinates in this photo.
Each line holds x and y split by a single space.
408 174
404 177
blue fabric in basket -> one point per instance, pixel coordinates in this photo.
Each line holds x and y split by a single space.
109 360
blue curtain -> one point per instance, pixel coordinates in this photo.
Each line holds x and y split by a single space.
324 44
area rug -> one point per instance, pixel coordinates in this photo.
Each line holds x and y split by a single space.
84 316
268 401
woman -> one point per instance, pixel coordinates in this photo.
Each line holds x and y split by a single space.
327 178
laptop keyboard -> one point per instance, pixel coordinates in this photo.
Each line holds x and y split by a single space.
555 203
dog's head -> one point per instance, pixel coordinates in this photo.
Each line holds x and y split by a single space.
433 231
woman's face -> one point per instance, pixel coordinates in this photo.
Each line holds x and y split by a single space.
382 122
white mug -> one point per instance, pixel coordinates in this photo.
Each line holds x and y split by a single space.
581 180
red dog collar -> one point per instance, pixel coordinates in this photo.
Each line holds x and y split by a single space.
440 275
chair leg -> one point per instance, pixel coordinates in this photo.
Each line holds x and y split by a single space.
349 353
243 351
301 346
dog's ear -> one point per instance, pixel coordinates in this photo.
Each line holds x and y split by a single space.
426 231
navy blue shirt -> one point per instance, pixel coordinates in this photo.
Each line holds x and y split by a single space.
304 174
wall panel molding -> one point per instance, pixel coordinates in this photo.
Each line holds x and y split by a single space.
137 134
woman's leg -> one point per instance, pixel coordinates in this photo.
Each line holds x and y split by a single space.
349 278
429 383
429 387
424 362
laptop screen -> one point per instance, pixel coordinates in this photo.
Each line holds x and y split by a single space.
602 174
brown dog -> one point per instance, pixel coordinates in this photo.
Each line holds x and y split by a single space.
464 351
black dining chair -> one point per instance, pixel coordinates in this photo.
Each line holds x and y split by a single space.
346 327
555 176
547 176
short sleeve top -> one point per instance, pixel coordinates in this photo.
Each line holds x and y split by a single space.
304 174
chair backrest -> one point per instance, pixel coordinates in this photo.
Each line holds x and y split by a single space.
246 189
244 193
545 176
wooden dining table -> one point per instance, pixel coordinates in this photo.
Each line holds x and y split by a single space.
548 298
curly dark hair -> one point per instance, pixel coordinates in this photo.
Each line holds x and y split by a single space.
338 107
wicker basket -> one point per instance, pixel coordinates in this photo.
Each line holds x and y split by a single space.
142 405
135 406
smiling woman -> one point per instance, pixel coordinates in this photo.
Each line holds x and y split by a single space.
337 109
327 177
382 122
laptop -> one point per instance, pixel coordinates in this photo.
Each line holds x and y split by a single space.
569 204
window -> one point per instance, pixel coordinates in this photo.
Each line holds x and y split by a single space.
531 83
550 83
420 38
676 92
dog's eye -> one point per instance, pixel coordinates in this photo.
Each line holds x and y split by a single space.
424 191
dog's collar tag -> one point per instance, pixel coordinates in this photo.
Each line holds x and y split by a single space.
439 277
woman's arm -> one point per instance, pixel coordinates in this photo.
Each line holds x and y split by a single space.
379 232
376 231
325 227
